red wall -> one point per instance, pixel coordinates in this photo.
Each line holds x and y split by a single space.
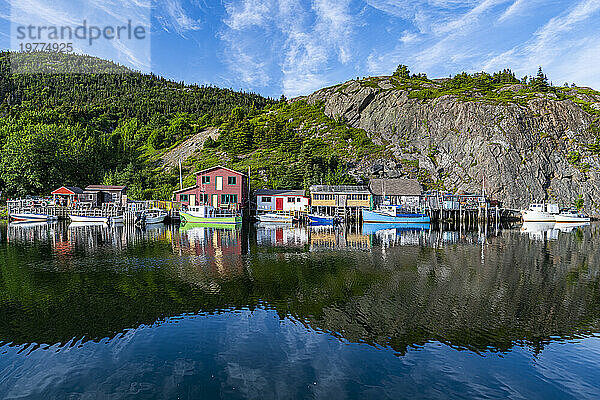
240 188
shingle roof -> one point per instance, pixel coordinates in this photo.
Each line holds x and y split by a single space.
339 188
395 187
282 192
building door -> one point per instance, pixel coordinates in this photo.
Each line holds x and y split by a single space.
215 200
192 200
219 183
279 203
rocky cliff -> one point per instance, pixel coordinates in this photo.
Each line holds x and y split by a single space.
529 147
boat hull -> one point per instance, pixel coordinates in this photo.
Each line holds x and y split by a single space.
117 220
31 217
317 219
86 218
189 218
156 220
274 218
537 216
377 218
571 220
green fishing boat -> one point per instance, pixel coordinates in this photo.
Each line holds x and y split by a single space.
210 215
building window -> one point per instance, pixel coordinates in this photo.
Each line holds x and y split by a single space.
205 180
298 199
228 198
231 180
203 198
266 199
291 199
184 197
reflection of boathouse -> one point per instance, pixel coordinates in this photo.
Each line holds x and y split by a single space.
330 238
220 250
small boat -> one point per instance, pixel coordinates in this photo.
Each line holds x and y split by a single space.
89 219
275 218
571 216
32 217
210 215
540 213
395 215
117 219
153 216
323 219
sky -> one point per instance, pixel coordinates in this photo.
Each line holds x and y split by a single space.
295 47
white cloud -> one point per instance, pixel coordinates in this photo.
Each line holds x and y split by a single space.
177 18
443 25
514 9
562 54
302 40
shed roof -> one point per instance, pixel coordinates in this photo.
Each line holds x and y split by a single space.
395 187
279 192
186 189
69 190
338 189
105 187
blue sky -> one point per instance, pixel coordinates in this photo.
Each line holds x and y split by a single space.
297 46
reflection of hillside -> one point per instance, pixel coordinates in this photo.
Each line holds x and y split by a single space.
484 296
519 291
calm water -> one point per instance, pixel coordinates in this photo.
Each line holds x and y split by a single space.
263 312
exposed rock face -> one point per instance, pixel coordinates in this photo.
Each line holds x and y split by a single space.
526 153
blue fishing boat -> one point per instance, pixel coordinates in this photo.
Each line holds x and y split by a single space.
393 214
316 219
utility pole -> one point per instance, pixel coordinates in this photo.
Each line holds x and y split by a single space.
180 176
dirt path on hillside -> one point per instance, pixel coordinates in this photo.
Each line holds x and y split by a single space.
188 147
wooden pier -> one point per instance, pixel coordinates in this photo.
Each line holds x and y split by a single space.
129 213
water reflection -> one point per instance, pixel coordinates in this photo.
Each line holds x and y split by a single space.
120 287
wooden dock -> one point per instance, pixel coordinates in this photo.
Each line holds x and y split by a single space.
129 213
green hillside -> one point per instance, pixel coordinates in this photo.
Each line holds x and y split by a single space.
114 126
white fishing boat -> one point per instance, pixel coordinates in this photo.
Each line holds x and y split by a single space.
275 218
571 216
153 216
89 219
540 213
117 219
32 217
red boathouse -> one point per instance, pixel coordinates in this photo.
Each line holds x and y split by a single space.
217 186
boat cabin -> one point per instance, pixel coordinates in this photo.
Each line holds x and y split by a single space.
540 207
